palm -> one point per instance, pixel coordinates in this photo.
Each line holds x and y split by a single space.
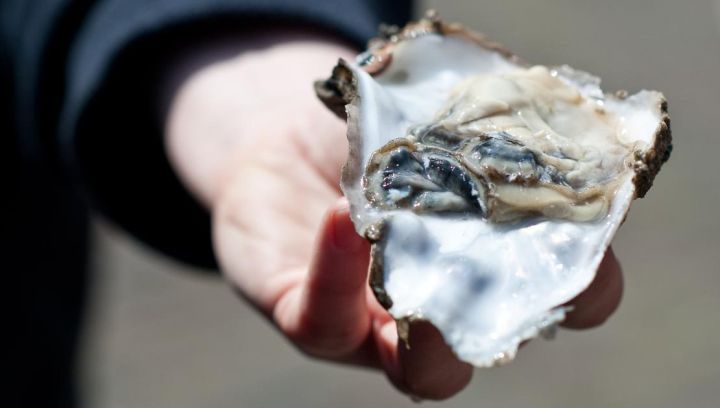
268 223
271 211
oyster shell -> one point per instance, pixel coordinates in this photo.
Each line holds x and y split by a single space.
489 189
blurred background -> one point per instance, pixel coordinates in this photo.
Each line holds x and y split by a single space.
160 335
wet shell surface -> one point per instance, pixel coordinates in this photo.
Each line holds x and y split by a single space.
489 188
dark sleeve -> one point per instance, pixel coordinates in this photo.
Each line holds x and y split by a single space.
109 132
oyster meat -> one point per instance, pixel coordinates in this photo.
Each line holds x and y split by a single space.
489 188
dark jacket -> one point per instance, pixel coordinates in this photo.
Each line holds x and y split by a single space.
78 129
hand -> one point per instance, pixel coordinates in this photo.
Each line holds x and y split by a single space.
248 136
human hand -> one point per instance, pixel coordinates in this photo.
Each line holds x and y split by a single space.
248 136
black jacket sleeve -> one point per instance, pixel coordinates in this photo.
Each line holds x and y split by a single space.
102 65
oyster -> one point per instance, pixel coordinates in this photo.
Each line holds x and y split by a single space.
489 188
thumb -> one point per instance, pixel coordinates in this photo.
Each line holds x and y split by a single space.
328 315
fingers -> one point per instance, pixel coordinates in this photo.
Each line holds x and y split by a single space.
427 369
327 316
430 369
595 305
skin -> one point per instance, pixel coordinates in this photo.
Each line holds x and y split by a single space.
247 136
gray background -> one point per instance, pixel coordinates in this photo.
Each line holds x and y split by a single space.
160 335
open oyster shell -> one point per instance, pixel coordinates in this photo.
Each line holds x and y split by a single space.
489 189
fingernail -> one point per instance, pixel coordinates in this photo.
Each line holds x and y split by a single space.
344 237
388 331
